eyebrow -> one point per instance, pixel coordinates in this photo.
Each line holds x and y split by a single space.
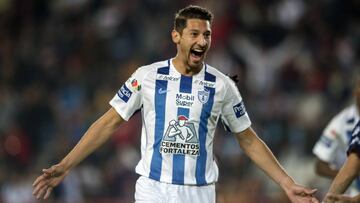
195 30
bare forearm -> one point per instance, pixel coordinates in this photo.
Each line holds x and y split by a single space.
261 155
339 186
98 133
323 169
346 175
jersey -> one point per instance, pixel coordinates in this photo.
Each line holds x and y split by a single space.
354 146
179 115
334 142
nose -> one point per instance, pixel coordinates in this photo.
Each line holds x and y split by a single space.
202 41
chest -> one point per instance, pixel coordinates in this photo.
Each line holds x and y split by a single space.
180 93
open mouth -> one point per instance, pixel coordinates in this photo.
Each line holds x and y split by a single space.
197 53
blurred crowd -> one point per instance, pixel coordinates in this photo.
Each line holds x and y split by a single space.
62 61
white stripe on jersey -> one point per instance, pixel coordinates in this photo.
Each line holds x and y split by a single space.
180 114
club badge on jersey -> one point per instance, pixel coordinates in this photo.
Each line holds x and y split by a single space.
203 96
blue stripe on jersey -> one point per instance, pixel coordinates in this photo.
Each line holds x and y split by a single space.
164 70
160 104
205 114
179 159
185 84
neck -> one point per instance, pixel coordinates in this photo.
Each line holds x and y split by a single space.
183 68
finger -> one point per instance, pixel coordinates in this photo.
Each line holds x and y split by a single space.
40 178
314 200
313 191
309 191
39 187
41 192
48 171
48 192
304 199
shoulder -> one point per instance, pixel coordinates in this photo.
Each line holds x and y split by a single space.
151 68
220 77
344 114
348 111
223 82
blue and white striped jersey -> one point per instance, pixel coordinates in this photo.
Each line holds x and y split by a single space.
335 140
354 146
180 114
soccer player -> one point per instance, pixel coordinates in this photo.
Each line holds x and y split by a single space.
331 148
181 100
349 171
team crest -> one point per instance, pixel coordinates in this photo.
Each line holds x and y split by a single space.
203 96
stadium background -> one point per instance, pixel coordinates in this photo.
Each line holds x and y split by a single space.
62 61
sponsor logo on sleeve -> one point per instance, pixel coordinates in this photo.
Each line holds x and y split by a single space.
124 93
326 141
135 85
239 109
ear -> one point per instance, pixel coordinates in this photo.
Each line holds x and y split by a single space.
175 36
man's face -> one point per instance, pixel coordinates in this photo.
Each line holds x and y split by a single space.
194 42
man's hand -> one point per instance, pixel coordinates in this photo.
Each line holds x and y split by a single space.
51 177
297 193
338 198
300 194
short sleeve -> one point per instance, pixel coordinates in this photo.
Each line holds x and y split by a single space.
234 115
328 144
128 99
325 148
354 146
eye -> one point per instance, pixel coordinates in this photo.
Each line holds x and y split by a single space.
193 34
207 35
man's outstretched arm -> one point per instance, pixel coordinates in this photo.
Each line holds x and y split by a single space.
261 155
99 132
348 172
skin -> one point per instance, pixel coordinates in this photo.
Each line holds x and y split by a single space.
342 181
195 36
261 155
323 169
343 198
99 132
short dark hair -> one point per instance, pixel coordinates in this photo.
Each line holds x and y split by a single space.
191 12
